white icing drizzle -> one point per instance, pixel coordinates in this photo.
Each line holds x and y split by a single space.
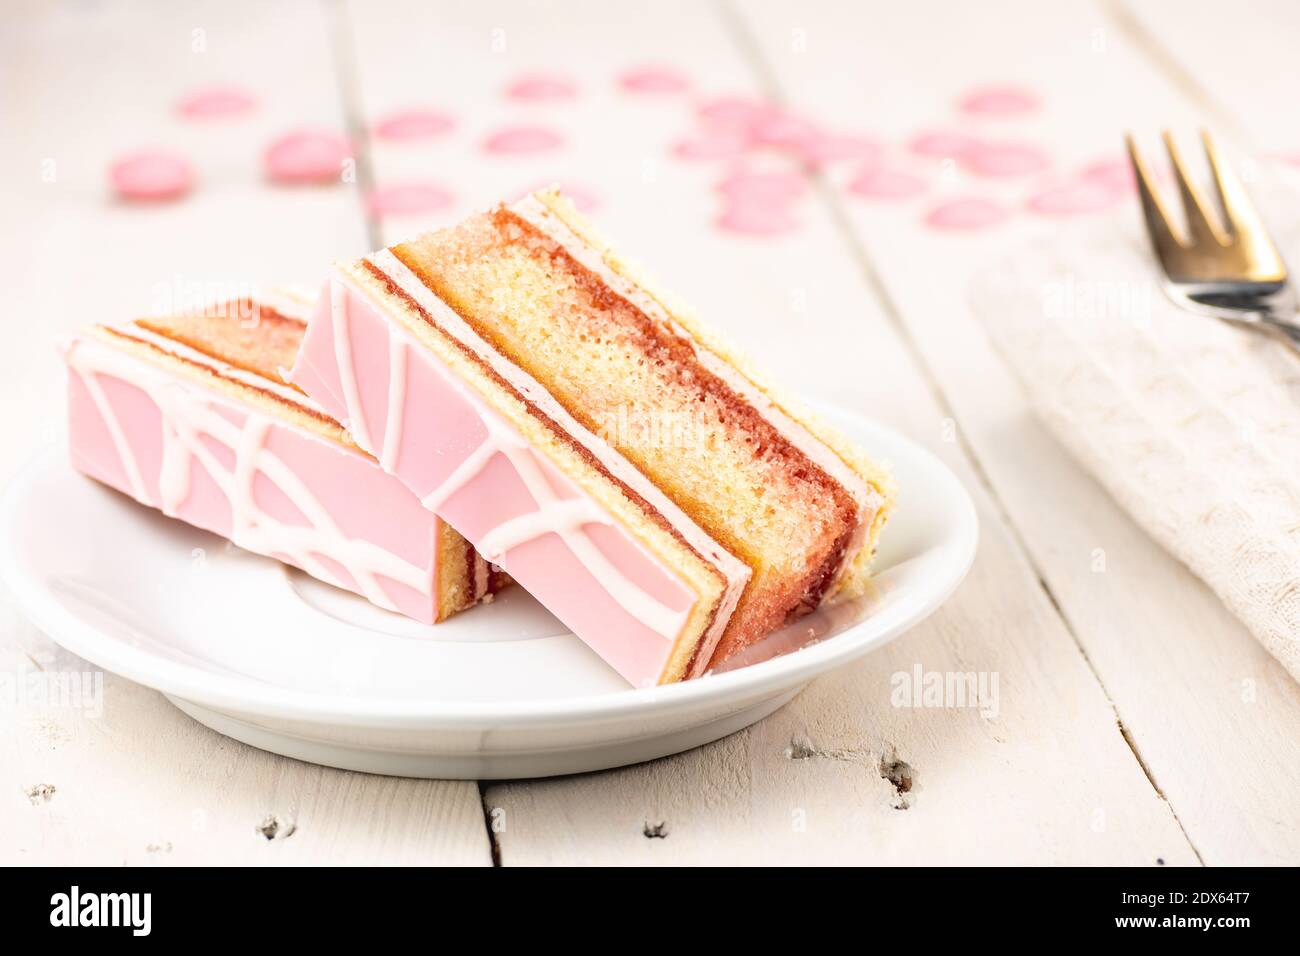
188 416
735 572
396 401
563 517
557 516
356 414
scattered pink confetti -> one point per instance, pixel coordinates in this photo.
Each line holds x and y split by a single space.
407 199
1115 174
716 143
215 102
150 176
413 124
966 214
737 109
830 148
523 139
653 79
762 187
306 156
583 198
998 101
542 86
1004 159
757 219
887 184
1074 199
940 143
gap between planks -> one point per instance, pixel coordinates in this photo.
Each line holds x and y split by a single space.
750 52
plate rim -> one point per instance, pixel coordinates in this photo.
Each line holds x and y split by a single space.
246 696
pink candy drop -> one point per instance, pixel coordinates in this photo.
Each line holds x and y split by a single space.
962 214
413 124
887 184
1073 199
941 143
999 160
306 156
407 199
762 187
151 176
998 101
542 86
720 142
523 139
653 79
215 102
757 219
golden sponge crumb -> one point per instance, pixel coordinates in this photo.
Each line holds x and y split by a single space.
639 385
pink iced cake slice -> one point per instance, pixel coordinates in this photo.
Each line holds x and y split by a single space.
597 442
191 415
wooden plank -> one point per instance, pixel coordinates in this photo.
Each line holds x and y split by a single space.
1198 696
1049 778
140 782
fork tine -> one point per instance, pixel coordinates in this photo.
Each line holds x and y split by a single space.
1244 222
1163 239
1201 228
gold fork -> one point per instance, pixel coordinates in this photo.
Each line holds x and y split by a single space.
1227 268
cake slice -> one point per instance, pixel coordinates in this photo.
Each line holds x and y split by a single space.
191 415
595 440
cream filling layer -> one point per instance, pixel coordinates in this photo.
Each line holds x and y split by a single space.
735 572
864 496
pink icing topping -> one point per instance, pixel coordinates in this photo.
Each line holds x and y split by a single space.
966 214
306 156
470 464
215 102
151 176
269 486
523 139
413 124
654 79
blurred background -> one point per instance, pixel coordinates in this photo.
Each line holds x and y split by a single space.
822 180
800 171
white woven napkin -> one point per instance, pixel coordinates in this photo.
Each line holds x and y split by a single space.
1192 425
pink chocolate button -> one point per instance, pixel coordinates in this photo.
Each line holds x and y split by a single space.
306 156
215 102
413 124
149 176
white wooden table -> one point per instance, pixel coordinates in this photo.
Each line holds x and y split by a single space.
1138 721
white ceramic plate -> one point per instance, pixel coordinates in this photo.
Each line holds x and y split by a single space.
270 656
